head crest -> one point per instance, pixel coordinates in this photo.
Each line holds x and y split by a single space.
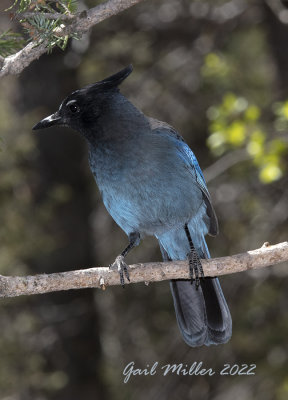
111 82
118 78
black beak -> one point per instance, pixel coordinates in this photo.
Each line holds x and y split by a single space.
53 119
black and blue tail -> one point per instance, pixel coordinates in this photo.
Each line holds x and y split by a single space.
202 314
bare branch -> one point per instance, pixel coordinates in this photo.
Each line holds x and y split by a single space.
85 20
224 163
12 286
222 13
278 10
78 24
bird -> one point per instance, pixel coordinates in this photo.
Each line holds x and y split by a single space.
151 184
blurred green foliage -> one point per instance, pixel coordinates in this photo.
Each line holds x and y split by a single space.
237 124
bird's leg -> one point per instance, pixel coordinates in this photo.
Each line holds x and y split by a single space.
119 263
195 266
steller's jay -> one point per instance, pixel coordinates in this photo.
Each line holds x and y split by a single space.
151 184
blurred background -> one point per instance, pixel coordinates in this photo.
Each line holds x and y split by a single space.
218 72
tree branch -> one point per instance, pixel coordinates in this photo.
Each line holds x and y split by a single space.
85 20
17 62
12 286
78 24
47 15
224 163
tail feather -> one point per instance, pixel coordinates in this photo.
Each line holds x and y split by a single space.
203 315
191 320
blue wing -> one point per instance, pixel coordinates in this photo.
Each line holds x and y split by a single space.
192 164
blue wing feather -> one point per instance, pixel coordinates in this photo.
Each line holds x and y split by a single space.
191 161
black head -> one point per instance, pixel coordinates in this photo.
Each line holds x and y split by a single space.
85 105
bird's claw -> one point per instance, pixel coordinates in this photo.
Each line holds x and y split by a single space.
122 268
195 268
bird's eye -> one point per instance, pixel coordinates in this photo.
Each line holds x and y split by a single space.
73 108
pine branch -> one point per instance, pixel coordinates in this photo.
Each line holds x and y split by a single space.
55 16
17 62
10 42
71 25
102 277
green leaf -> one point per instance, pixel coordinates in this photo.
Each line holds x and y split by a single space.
215 66
252 113
216 140
278 146
270 173
236 133
284 110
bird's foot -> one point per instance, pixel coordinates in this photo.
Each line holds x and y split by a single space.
195 268
122 268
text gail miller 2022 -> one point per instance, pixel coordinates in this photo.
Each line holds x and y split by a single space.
195 369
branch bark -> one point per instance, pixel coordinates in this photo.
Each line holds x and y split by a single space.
31 14
12 286
79 23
